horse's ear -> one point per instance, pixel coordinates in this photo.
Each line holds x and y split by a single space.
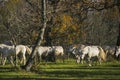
83 46
117 47
75 45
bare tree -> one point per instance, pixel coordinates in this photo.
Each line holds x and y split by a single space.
118 38
39 39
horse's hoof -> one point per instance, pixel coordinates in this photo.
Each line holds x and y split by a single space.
81 62
78 62
90 65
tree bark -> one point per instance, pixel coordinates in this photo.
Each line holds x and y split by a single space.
7 25
30 61
118 38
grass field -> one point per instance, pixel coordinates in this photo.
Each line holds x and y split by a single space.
68 70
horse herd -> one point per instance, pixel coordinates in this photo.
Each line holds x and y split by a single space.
19 52
82 53
91 52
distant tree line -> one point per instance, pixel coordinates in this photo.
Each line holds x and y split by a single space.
68 21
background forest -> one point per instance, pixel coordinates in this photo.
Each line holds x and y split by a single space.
68 22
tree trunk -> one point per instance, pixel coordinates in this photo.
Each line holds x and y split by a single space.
48 37
30 61
7 25
118 38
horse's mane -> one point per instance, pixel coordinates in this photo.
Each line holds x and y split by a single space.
102 54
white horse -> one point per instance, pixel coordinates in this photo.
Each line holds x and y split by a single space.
10 51
50 52
57 51
23 50
110 51
76 51
43 51
72 49
117 53
93 51
7 52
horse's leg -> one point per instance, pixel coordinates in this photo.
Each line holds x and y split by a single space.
0 58
68 55
99 59
4 60
82 58
21 60
46 59
11 60
63 58
54 58
40 56
24 59
16 58
77 58
89 61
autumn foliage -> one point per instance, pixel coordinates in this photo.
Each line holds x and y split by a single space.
68 22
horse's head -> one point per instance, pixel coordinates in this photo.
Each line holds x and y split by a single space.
85 50
117 51
71 49
80 48
50 50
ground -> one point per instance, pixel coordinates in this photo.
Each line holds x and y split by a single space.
68 70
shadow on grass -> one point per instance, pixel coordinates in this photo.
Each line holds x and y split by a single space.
83 73
66 71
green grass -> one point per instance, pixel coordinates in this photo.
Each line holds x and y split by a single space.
68 70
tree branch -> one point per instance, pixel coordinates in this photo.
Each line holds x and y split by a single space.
30 61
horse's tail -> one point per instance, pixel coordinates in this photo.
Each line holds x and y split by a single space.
28 50
102 54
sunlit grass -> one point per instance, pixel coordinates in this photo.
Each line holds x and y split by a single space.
67 70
